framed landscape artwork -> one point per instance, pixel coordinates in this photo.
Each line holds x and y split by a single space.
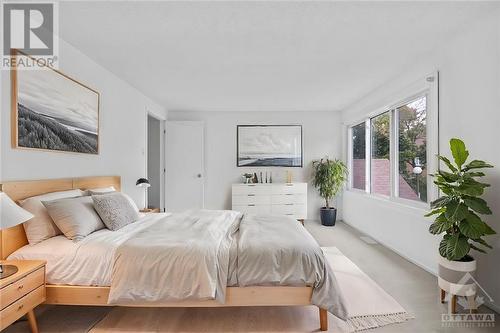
269 145
51 111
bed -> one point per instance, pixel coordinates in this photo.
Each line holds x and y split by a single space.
73 289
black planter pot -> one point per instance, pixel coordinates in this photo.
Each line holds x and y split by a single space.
328 216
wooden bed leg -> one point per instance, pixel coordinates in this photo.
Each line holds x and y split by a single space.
32 321
323 320
453 303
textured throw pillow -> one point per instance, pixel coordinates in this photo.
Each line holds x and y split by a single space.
100 190
41 227
115 210
75 217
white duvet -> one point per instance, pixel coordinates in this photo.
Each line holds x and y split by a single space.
183 257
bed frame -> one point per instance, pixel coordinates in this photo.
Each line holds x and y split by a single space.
14 238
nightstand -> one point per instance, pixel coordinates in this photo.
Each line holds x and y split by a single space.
21 292
150 210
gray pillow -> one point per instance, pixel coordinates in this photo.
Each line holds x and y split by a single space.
42 227
75 217
115 210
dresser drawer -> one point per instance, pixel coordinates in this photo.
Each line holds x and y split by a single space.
291 188
289 209
253 189
253 209
250 199
21 287
290 198
17 309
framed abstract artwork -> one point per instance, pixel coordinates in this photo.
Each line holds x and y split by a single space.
52 111
269 146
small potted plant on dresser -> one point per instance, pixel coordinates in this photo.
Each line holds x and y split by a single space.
458 216
329 178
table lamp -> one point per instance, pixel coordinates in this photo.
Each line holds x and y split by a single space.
144 183
10 216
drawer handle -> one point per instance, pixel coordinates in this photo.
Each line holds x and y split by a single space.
20 287
251 184
289 204
251 195
20 307
288 214
289 194
289 184
251 205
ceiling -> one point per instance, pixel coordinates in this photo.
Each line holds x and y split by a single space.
260 56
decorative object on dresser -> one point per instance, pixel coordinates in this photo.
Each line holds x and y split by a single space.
10 216
458 215
329 178
281 199
269 145
248 178
51 111
21 292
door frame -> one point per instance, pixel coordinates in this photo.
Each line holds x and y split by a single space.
200 123
163 126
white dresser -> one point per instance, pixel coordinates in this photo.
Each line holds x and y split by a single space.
277 198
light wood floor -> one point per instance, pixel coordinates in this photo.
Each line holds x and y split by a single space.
415 289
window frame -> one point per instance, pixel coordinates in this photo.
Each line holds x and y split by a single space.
428 87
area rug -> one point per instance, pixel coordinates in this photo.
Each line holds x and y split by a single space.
368 305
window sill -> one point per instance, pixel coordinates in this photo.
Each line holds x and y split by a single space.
422 207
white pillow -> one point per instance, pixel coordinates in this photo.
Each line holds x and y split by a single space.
100 190
75 217
41 227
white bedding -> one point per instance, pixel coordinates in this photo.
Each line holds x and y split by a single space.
87 262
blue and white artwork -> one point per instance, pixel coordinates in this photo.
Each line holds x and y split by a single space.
269 145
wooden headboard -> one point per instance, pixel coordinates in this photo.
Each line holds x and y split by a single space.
14 238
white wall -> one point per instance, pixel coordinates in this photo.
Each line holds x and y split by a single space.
321 136
469 98
122 131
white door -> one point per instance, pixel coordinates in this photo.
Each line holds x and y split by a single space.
185 167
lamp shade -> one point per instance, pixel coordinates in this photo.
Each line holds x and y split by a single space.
10 213
142 182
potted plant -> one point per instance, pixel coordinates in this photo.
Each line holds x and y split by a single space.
329 178
458 216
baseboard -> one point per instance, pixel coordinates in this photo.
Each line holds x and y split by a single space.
491 305
424 267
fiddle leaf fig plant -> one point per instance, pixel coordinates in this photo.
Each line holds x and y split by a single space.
329 178
458 211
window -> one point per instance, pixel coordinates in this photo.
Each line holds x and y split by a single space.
392 152
380 162
359 156
412 149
